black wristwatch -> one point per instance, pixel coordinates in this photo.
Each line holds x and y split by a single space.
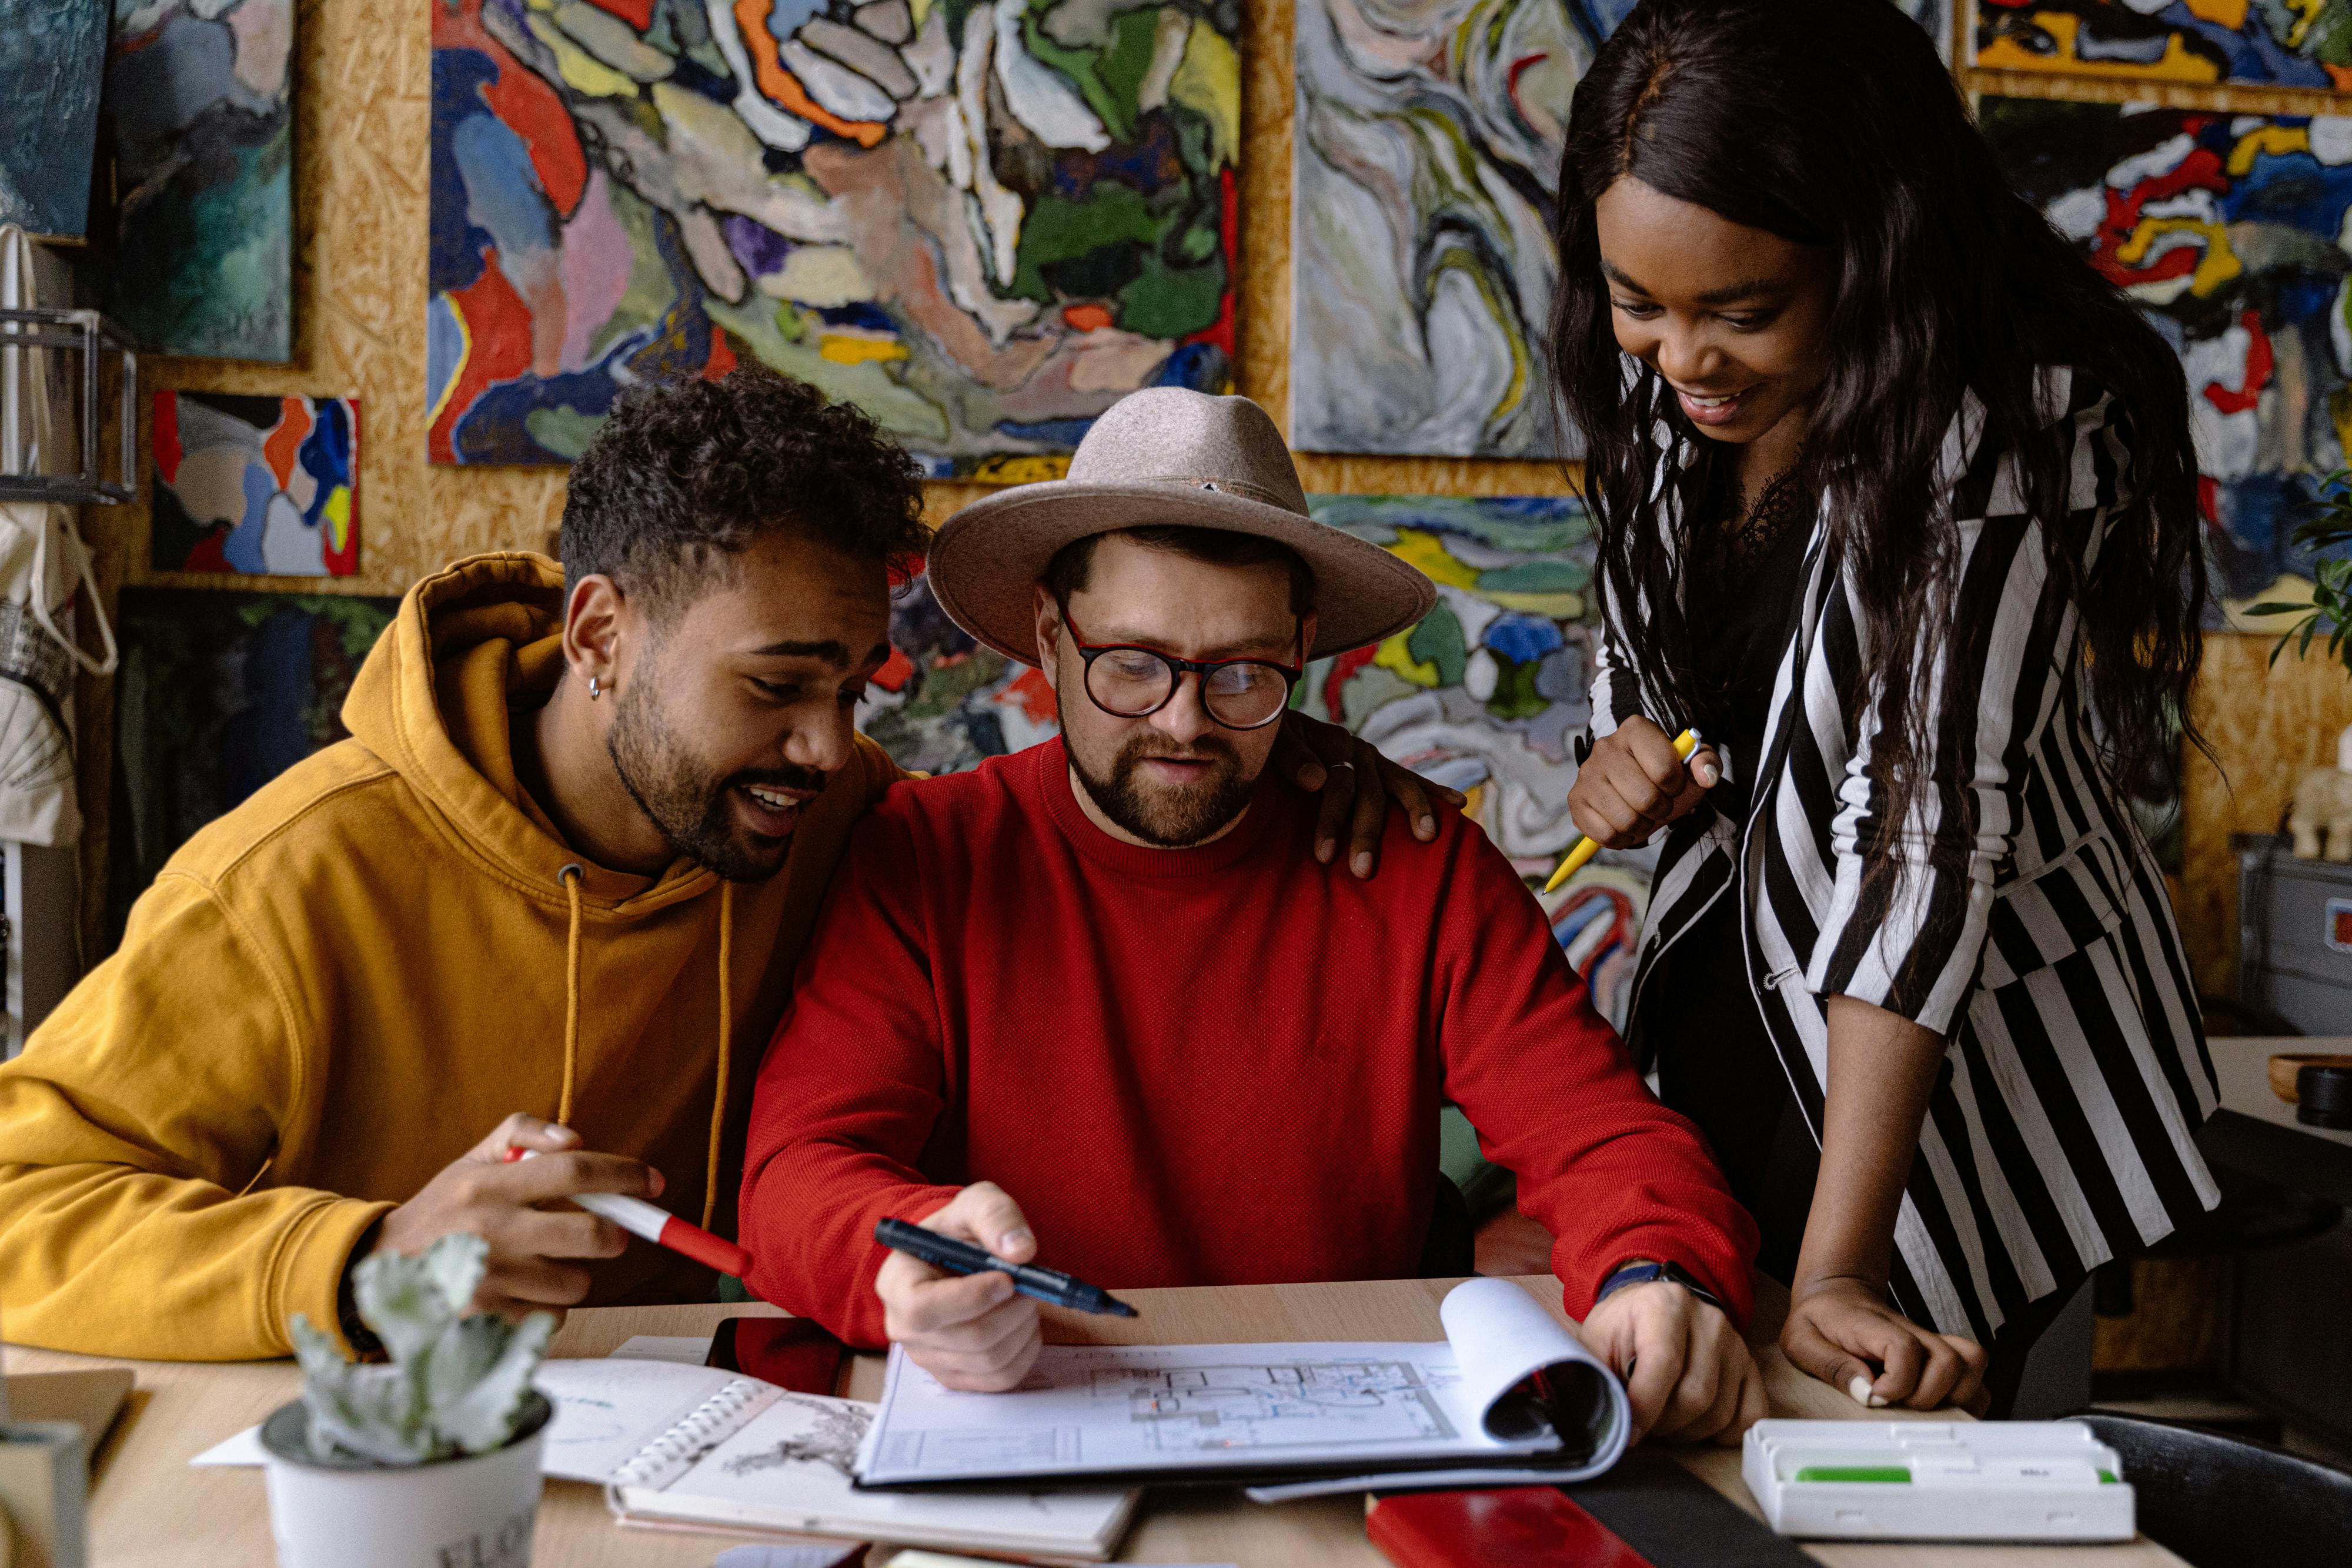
1627 1274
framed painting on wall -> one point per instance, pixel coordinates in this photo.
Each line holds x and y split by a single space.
54 56
982 223
2230 231
2276 43
200 95
259 486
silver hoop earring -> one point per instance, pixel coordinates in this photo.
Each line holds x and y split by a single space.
592 692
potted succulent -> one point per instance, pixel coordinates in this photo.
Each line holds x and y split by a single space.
426 1460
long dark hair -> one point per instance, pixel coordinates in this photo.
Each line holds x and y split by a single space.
1833 123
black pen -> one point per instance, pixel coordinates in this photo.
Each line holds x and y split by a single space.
1047 1285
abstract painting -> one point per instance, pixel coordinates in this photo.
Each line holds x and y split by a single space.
982 223
2229 230
1424 150
1424 155
218 695
2279 43
1936 15
200 94
263 486
1486 695
54 54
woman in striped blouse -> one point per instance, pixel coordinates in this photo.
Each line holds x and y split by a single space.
1897 505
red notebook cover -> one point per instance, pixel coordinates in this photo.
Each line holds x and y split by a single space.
1508 1527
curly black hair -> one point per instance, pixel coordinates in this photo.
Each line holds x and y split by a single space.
687 474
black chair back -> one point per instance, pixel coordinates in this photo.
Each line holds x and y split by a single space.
2227 1502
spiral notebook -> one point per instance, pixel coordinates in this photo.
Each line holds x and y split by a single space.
696 1445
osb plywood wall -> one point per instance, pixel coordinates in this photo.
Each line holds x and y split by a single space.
364 107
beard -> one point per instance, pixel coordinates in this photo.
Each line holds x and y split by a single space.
689 803
1171 816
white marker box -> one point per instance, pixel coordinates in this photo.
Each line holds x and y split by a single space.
1937 1480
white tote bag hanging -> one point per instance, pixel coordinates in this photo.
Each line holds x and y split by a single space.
43 563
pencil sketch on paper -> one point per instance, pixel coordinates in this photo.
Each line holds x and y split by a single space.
831 1439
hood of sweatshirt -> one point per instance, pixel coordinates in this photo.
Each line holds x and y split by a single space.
471 645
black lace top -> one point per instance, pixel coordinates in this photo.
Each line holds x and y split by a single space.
1743 578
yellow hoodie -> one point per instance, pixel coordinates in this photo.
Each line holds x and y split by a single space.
345 983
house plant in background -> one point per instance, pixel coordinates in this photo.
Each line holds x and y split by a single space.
426 1460
2321 816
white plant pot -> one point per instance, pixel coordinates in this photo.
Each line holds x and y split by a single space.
471 1512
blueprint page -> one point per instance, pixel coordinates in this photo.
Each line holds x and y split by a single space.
1118 1409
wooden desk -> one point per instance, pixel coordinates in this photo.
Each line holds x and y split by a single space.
2256 1132
150 1510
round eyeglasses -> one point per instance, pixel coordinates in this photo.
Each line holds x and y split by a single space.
1129 681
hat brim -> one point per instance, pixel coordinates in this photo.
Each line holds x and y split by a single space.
985 561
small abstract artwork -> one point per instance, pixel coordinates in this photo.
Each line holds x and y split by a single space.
982 223
218 692
262 485
200 94
54 52
2230 231
2277 43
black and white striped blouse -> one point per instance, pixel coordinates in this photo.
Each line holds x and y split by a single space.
2076 1074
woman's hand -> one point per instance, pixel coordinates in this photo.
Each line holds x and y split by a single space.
1634 784
1324 758
1836 1327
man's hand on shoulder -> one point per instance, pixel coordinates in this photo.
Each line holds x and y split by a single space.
971 1332
1686 1370
533 1252
1356 784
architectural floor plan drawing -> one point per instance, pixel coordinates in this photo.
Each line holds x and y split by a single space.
1196 1408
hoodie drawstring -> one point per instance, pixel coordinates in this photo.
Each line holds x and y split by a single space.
726 1041
571 876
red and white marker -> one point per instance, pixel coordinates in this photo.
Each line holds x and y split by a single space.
660 1227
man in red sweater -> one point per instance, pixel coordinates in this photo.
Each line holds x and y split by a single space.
1094 1003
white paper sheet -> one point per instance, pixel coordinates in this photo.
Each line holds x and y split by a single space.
245 1448
1121 1409
606 1413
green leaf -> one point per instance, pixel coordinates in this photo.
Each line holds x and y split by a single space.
457 1264
478 1413
401 1299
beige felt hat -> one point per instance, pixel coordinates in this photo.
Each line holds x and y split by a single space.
1166 457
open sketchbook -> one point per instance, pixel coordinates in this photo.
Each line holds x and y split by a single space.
1507 1389
693 1445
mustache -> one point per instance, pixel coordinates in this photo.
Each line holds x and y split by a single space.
811 779
1208 748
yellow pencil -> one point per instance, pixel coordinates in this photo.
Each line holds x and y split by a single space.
1585 848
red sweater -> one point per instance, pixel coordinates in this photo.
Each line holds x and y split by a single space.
1218 1065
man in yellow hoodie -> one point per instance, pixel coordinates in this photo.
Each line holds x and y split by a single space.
549 895
562 866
